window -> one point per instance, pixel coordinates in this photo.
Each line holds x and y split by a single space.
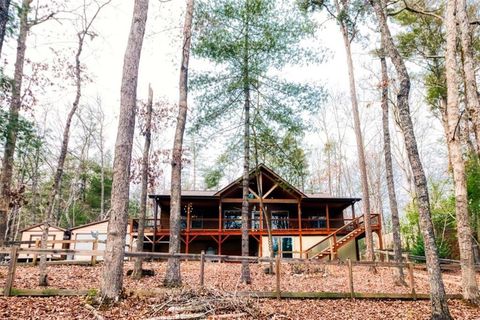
232 219
284 245
35 237
280 220
255 219
318 222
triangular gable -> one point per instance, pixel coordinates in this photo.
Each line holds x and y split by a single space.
282 183
89 224
40 225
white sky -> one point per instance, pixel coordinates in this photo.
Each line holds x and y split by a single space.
103 57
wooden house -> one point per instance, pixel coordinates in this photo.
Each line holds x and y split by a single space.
90 232
33 234
302 225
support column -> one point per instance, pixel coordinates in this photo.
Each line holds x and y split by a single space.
357 249
219 244
220 216
260 246
155 214
299 209
189 206
328 218
353 210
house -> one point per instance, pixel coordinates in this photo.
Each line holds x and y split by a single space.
84 234
32 234
90 232
302 225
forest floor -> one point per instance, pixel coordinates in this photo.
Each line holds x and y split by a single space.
219 296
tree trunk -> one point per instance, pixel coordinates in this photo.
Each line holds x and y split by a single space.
464 231
397 241
437 290
473 102
102 174
12 127
57 181
4 6
112 279
245 273
137 270
262 205
173 276
359 139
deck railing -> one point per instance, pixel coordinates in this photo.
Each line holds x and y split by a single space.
255 224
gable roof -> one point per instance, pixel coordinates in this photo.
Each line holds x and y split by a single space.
89 224
275 176
39 225
207 194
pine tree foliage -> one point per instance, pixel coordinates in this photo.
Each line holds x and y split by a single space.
271 35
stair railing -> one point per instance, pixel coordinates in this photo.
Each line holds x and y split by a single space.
322 245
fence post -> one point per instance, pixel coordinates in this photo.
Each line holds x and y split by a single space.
202 268
277 274
35 256
94 248
350 278
11 271
412 281
331 248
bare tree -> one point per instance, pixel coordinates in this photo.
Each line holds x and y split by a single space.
137 270
347 39
438 298
57 180
100 142
387 150
464 231
173 276
112 280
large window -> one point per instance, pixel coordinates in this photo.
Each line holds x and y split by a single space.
284 245
280 220
232 219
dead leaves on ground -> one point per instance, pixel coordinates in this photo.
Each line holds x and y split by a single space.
221 281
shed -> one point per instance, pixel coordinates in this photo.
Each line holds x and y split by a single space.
91 231
33 233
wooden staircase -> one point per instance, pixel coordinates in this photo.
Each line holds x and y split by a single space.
329 246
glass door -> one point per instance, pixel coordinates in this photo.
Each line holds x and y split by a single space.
284 245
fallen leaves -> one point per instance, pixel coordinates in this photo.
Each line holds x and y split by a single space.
221 283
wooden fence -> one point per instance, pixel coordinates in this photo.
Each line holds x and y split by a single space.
203 258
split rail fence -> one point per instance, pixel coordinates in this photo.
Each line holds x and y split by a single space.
14 251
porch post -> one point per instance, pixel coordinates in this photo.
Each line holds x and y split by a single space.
155 214
328 218
299 210
220 215
353 210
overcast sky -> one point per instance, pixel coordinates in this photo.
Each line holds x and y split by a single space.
103 57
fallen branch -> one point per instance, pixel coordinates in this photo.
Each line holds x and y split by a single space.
181 316
94 312
196 308
229 316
